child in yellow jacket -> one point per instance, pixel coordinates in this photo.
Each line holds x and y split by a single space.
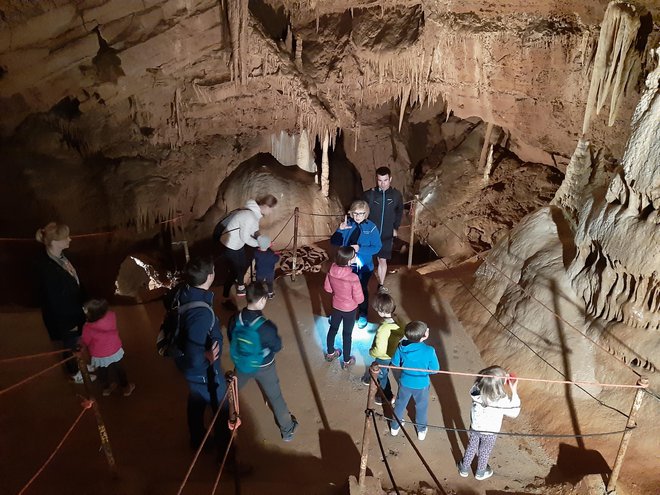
387 338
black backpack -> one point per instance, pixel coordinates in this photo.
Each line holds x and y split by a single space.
221 226
169 342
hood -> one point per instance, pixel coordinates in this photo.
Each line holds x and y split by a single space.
410 348
107 323
252 205
340 272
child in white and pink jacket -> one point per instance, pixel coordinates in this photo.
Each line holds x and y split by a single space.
344 285
101 338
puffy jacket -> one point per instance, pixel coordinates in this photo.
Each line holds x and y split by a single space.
200 330
344 285
488 418
242 227
368 240
385 210
387 339
415 355
269 339
101 336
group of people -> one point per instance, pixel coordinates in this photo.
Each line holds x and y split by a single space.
367 231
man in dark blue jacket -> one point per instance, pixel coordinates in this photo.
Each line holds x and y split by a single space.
386 210
202 346
270 343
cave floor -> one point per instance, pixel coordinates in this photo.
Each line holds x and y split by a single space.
148 430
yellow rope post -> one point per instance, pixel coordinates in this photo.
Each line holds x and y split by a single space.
625 439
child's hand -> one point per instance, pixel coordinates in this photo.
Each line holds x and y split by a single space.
512 380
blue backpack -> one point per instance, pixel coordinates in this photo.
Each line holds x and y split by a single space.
245 347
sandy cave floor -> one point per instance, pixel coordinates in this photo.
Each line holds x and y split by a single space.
148 430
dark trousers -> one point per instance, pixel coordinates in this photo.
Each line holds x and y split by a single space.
202 395
347 320
70 342
113 373
268 281
364 274
421 398
237 267
269 383
383 377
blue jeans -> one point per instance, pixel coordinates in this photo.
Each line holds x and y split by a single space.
269 382
202 395
421 398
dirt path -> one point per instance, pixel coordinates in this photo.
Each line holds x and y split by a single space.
148 430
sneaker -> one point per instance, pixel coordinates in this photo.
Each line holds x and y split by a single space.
394 430
271 295
287 437
108 390
421 435
382 289
129 389
482 475
461 470
362 322
366 379
78 379
331 357
378 400
240 291
91 368
347 364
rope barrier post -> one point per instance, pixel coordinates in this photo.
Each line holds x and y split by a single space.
413 218
625 439
296 215
374 370
103 433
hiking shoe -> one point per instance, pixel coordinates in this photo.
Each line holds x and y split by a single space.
129 389
383 290
347 364
271 295
421 435
482 475
461 470
240 291
331 357
287 437
362 322
108 390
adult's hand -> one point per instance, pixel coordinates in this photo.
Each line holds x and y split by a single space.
344 225
356 247
214 353
395 233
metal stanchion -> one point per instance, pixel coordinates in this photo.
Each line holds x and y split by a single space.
374 370
103 433
294 264
625 439
413 217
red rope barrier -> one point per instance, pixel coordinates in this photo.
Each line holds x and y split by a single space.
85 405
234 423
545 380
15 385
31 356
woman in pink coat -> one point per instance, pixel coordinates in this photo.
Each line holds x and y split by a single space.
101 338
344 285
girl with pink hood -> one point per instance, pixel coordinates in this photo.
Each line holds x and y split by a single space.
101 338
344 285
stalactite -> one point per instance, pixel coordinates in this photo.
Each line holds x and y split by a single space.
617 63
237 17
325 168
404 103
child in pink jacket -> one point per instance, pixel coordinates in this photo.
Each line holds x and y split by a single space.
101 338
344 285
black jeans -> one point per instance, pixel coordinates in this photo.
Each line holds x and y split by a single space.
364 274
70 341
347 319
200 396
113 373
237 268
268 281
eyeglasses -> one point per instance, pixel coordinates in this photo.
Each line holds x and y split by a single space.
359 213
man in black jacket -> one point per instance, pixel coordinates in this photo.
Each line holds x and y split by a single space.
202 348
385 210
270 343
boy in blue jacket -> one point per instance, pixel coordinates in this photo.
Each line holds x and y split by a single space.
414 353
362 235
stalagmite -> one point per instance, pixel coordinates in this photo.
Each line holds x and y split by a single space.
569 195
484 149
489 165
325 168
617 63
303 156
298 55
